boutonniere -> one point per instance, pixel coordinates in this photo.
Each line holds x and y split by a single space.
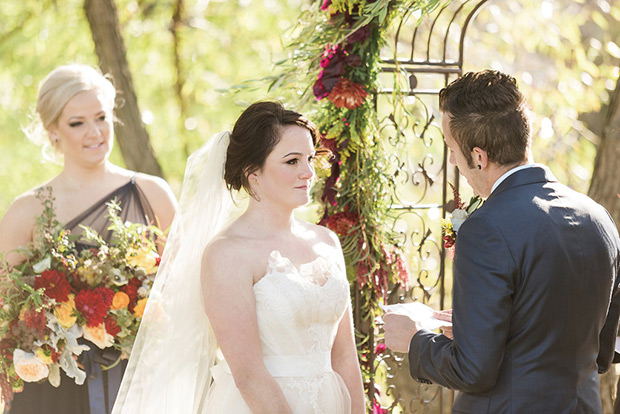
450 226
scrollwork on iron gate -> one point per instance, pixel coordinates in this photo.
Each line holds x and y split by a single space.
418 68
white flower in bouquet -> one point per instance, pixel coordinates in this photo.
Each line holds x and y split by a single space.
29 367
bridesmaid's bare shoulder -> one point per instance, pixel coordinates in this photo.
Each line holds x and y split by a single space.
17 225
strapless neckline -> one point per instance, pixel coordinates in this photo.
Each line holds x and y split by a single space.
278 266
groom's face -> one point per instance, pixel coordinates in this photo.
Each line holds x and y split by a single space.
472 175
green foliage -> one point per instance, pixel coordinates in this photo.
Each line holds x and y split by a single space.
565 56
220 44
336 52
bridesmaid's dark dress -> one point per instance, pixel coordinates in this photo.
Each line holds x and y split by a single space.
97 394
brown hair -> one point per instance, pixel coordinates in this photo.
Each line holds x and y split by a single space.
487 111
257 131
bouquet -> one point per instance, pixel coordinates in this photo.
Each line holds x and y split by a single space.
450 226
60 295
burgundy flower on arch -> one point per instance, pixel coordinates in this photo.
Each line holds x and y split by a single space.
342 223
347 94
360 35
333 64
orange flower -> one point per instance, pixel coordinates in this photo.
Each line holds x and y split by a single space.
347 94
120 300
98 336
138 310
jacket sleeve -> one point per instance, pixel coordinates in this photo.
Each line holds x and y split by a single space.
607 340
484 274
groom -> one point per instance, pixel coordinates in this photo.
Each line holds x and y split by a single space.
536 299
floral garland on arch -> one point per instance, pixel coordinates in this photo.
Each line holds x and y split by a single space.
337 45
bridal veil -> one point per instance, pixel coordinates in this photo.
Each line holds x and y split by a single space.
170 366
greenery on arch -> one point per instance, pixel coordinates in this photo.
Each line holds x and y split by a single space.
336 47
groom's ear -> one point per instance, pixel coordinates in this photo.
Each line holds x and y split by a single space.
480 158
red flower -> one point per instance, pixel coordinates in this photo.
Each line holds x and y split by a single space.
347 94
342 223
360 35
448 241
54 355
131 289
332 62
35 320
55 284
376 408
111 326
94 304
402 272
7 345
380 348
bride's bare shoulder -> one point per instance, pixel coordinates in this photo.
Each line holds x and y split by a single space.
322 234
229 251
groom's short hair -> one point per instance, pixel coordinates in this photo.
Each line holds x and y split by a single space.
488 111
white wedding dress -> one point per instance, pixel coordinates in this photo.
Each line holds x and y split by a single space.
298 315
171 368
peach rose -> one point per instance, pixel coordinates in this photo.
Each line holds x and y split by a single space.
138 310
98 336
29 367
120 300
64 313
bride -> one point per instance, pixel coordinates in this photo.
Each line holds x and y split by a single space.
270 291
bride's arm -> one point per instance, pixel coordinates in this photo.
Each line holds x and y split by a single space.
344 351
345 362
229 301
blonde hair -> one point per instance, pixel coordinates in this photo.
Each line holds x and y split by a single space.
58 87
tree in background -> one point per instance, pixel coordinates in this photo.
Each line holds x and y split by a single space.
110 47
180 59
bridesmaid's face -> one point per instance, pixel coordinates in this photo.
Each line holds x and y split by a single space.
286 177
84 130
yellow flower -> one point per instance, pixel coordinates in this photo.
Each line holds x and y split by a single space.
43 356
98 336
144 258
64 313
28 367
120 300
138 310
86 273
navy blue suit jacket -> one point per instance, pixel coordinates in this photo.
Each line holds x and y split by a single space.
536 303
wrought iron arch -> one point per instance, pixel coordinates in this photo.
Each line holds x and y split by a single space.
418 68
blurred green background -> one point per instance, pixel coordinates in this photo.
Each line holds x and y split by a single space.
564 53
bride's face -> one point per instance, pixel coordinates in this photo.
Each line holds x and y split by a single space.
84 130
286 177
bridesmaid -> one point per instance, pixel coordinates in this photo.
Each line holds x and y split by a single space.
75 107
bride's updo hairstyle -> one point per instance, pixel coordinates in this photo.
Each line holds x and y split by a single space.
60 85
257 131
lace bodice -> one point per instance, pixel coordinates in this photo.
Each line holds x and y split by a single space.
298 312
299 309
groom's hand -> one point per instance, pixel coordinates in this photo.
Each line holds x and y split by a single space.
399 329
